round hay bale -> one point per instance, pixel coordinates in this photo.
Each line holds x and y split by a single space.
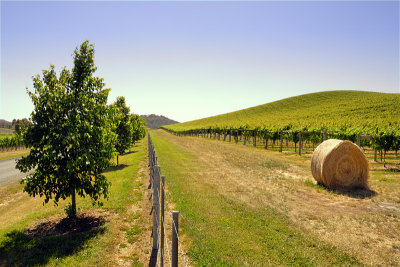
340 164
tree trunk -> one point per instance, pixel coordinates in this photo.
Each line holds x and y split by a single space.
73 204
117 160
384 158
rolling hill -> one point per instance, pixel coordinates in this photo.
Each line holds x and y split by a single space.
330 109
155 121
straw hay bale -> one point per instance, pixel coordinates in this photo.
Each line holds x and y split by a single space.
340 164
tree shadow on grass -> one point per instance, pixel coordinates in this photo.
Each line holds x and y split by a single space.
36 246
116 168
130 152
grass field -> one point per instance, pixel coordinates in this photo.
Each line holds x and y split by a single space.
2 135
244 206
115 234
333 109
239 206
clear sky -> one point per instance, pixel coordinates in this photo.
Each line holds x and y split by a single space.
189 60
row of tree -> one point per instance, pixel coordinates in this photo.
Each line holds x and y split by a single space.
15 124
130 127
74 133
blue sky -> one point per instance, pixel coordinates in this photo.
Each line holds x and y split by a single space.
188 60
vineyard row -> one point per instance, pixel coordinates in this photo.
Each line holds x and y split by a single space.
382 142
7 143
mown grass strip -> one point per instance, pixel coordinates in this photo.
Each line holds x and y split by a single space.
226 232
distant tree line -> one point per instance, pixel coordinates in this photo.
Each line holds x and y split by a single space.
15 124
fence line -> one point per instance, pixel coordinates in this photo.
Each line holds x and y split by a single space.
157 184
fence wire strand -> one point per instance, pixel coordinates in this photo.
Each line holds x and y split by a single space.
173 223
166 242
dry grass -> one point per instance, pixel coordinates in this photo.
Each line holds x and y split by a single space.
13 153
364 223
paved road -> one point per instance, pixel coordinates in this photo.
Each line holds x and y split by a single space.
8 173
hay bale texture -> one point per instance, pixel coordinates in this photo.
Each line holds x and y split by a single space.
340 164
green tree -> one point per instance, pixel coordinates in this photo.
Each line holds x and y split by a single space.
19 127
71 134
124 128
139 127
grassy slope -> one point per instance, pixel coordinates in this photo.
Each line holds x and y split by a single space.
83 249
226 232
325 109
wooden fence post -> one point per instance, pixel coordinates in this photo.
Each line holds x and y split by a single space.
162 222
156 205
244 138
300 143
175 229
280 149
230 135
255 138
266 139
325 136
237 136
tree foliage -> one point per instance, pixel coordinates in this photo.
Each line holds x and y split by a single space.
139 127
71 134
124 128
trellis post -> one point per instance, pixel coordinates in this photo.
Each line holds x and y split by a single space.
300 143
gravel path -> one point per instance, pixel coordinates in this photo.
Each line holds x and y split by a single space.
8 173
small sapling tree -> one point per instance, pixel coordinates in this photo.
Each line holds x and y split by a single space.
71 134
139 127
124 128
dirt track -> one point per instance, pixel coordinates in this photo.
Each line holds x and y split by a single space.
8 173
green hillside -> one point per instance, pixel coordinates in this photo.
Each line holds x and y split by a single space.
155 121
332 110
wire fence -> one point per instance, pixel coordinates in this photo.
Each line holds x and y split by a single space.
160 240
